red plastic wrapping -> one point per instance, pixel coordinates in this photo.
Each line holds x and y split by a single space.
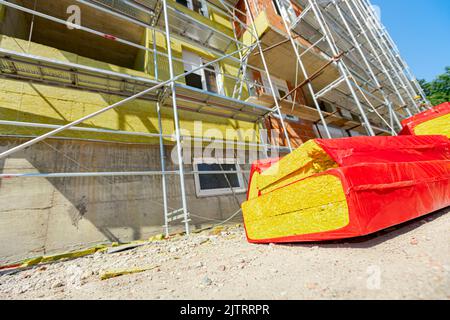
386 181
351 151
259 166
356 150
381 195
411 123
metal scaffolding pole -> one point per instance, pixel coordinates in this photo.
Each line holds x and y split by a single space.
161 140
382 49
266 68
381 34
369 68
374 52
305 74
397 54
342 70
110 107
141 134
409 72
176 121
369 20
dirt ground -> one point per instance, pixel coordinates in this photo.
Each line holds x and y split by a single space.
411 261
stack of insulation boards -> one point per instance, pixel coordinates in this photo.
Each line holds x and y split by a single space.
344 188
434 121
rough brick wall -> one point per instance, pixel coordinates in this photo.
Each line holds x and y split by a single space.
299 132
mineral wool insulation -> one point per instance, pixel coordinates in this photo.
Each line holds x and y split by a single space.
307 160
316 188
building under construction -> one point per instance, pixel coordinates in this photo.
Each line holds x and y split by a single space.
105 106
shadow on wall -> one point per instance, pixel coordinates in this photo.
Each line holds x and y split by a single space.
379 237
40 215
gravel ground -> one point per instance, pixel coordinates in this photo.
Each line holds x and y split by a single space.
411 261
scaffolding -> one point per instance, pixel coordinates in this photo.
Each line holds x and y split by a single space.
372 78
374 81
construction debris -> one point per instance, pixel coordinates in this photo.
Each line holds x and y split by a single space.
53 258
114 274
110 249
124 248
306 271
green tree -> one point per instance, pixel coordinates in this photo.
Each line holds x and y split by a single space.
438 90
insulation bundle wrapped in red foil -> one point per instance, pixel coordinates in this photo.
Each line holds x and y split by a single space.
368 184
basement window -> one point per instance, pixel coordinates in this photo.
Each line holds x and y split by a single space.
217 183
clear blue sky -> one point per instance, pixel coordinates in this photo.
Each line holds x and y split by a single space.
421 29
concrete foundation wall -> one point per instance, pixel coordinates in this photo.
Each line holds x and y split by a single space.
41 216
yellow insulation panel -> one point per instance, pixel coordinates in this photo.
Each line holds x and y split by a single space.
305 161
317 204
262 25
437 126
22 46
113 274
217 20
36 103
253 191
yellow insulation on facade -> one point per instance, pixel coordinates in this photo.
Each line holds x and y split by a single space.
114 274
45 104
62 256
316 204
